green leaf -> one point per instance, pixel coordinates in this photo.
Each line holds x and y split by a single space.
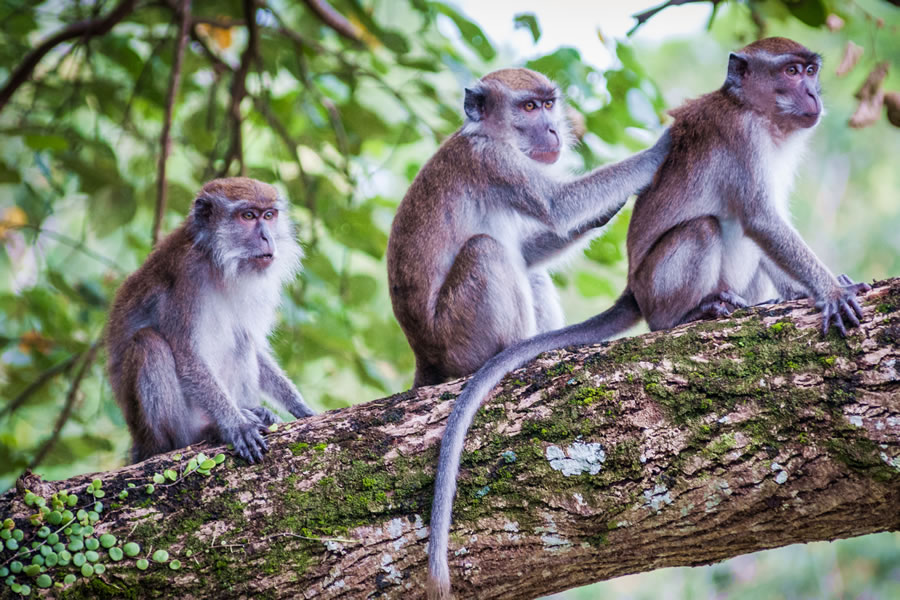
591 286
811 12
470 32
46 142
528 21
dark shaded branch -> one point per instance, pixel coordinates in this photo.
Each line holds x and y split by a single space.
66 412
239 91
184 16
87 28
333 19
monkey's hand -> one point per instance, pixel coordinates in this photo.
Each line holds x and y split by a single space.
842 299
247 440
262 415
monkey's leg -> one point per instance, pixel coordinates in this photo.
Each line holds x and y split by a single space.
548 314
484 306
160 416
718 304
680 273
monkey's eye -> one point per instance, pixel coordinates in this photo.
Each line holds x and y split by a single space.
269 215
548 104
248 215
529 106
791 70
811 70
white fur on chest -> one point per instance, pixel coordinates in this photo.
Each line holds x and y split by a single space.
233 325
777 165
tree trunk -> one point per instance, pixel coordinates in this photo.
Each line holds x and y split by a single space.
681 447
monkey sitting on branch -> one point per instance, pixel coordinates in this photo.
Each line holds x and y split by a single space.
187 334
473 238
710 235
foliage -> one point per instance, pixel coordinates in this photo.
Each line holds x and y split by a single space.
340 124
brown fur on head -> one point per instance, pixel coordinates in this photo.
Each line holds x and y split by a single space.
519 79
779 46
241 188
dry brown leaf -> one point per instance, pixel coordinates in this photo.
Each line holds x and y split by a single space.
892 105
834 22
852 54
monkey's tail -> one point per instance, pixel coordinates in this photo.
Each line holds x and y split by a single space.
619 317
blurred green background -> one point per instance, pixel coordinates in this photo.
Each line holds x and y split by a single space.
341 123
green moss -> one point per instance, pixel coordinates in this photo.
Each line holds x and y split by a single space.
298 448
861 455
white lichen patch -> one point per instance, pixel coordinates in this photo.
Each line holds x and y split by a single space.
782 474
891 462
421 530
393 573
856 421
512 526
578 458
461 552
579 500
657 497
719 490
554 543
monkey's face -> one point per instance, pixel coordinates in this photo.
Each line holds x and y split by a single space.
536 120
780 78
257 233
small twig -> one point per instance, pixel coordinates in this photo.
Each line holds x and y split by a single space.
38 382
239 91
67 409
86 28
72 243
332 18
643 17
184 13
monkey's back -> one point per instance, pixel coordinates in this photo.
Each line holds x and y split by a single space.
429 228
704 159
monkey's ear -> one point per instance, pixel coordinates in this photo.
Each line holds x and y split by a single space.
738 65
474 105
203 209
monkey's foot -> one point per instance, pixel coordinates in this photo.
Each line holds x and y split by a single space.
261 415
247 440
714 306
842 300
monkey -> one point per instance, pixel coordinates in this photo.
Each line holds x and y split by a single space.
188 331
474 236
709 235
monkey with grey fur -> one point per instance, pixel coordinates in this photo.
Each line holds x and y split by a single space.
187 337
710 235
486 216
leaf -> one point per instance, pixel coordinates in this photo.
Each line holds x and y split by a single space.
528 21
46 141
8 175
470 32
111 207
811 12
591 286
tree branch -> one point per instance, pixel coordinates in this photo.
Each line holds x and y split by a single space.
87 28
681 447
184 19
643 17
333 19
239 91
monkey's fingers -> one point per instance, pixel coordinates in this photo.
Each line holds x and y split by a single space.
844 279
856 307
834 313
851 316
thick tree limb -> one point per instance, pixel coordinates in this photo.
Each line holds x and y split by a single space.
87 28
681 447
332 18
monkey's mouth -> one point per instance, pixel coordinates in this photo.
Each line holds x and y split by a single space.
263 260
544 156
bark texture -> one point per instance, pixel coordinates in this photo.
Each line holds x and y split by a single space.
682 447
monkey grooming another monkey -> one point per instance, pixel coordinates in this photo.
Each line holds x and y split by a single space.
187 334
711 234
473 237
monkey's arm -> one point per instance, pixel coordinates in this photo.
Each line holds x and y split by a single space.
781 242
591 201
274 382
199 385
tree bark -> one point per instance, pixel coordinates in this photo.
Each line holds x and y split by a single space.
681 447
